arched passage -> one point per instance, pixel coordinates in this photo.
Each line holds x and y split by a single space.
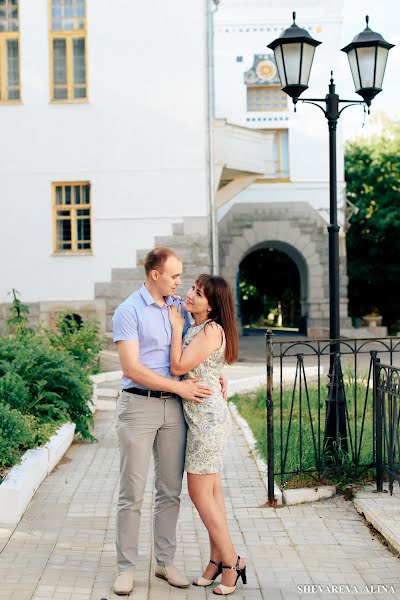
272 286
296 229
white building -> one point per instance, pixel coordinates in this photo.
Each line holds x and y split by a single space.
105 148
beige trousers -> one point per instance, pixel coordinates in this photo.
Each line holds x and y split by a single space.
146 424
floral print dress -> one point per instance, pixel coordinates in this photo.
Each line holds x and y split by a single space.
208 422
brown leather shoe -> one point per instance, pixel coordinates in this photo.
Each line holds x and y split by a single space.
123 582
172 575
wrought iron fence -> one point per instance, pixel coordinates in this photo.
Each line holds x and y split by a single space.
387 408
300 395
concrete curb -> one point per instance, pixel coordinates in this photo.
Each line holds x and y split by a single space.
312 494
21 483
287 497
251 442
381 517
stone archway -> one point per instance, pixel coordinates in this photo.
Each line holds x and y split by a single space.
277 270
301 232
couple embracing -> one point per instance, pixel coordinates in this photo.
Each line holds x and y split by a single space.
173 403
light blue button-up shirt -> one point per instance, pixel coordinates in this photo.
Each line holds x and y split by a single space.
140 318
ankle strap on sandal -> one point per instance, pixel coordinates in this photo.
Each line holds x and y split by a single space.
217 564
235 568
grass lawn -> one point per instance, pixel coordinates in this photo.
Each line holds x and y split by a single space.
297 448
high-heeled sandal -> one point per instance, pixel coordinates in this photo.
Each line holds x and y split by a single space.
225 589
203 582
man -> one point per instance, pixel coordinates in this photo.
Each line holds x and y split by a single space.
150 417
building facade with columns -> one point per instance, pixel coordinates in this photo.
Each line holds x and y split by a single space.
111 147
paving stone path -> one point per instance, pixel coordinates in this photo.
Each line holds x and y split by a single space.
63 548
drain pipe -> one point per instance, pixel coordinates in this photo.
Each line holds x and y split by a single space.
212 7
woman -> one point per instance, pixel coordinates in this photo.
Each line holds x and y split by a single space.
208 345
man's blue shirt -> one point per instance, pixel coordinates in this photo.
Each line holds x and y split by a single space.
140 318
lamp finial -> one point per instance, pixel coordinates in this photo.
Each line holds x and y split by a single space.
294 17
367 21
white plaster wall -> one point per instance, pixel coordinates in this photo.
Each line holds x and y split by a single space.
244 28
140 140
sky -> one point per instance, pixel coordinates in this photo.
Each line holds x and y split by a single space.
385 19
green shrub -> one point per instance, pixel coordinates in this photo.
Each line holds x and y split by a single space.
59 390
82 340
14 391
19 432
15 435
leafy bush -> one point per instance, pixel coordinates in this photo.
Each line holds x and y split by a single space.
14 391
19 432
82 339
15 434
59 390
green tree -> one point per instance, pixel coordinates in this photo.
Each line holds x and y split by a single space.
373 240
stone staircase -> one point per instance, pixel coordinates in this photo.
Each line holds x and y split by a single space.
192 249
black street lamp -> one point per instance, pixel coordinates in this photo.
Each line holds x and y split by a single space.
367 53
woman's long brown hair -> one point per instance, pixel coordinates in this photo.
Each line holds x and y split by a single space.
220 298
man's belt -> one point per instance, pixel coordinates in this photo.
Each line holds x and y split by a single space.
148 393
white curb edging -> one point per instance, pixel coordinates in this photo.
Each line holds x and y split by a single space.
372 515
287 497
23 480
21 483
251 442
312 494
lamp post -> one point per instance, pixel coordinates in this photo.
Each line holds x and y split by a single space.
294 53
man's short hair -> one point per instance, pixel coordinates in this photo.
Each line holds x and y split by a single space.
156 258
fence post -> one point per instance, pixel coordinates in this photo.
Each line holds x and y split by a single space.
270 418
377 395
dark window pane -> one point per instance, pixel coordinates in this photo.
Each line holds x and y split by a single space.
59 194
80 92
84 245
86 194
79 60
3 19
77 194
85 212
60 93
67 194
12 63
60 61
63 213
63 231
83 230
